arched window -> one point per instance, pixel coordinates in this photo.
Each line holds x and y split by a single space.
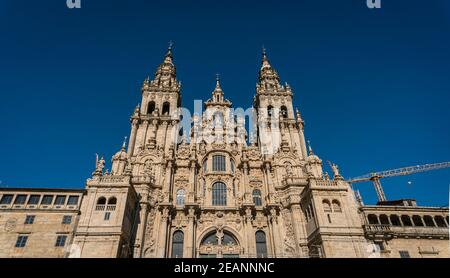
180 197
384 219
219 163
210 240
428 221
166 108
440 221
336 206
395 221
177 244
270 110
284 112
373 219
228 239
257 197
261 245
112 201
406 220
151 108
219 194
417 220
326 206
101 201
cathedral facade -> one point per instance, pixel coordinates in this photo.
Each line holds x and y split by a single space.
214 189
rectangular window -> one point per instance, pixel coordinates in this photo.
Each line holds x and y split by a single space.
20 199
107 216
47 200
404 254
73 200
219 163
60 200
21 241
29 219
34 199
6 199
67 219
60 241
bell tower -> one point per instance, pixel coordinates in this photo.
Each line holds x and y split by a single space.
154 121
278 124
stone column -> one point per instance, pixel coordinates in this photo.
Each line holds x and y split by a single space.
143 213
249 233
163 234
277 242
303 142
190 244
299 228
132 142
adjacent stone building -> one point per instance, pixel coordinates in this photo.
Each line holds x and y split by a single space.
215 190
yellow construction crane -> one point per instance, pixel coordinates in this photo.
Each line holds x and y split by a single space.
375 177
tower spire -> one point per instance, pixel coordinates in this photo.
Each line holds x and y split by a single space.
165 76
218 87
124 144
268 77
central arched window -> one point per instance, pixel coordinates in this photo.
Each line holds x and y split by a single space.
270 110
219 163
257 197
151 107
180 197
219 194
284 112
261 245
166 108
177 244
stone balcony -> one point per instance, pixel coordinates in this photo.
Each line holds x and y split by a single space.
388 231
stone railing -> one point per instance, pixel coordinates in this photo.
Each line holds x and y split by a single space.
325 183
411 231
112 179
377 228
100 207
415 231
111 207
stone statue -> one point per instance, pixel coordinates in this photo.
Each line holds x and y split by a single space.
99 165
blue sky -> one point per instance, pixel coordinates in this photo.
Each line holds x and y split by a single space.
373 85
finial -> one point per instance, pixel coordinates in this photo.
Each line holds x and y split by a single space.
169 51
309 148
297 113
218 82
124 144
264 50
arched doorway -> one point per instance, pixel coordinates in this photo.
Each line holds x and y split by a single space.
219 244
